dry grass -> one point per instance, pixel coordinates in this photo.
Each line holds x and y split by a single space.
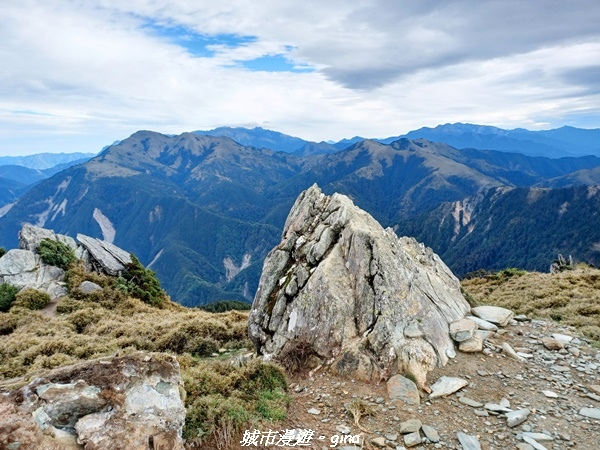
570 297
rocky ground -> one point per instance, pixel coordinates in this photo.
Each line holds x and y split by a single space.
560 388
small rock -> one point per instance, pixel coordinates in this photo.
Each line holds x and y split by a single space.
343 429
410 426
551 343
401 388
88 287
473 345
515 418
494 407
467 401
483 324
462 330
378 442
536 445
412 439
562 338
592 413
594 388
468 442
538 436
431 433
506 348
446 386
493 314
550 394
314 411
522 318
391 437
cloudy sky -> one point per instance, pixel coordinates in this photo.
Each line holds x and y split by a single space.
76 75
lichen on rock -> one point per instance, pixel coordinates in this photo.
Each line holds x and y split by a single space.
368 303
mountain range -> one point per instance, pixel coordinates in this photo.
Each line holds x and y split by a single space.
203 211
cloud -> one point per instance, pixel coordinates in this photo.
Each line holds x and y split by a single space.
89 73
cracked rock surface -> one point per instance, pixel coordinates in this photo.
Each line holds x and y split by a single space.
366 303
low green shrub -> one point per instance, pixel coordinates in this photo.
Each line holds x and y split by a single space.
32 299
56 253
141 283
8 294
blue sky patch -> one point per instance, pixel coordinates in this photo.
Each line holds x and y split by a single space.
274 63
196 44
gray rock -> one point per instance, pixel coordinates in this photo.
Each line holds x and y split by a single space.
446 386
467 401
401 388
89 287
551 343
493 314
497 408
562 338
592 413
412 439
485 334
536 445
431 433
343 429
524 446
109 403
538 436
473 345
410 426
468 442
365 287
24 269
378 442
104 256
30 237
483 324
506 348
515 418
462 329
314 411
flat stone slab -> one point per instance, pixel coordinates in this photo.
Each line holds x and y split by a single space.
472 403
483 324
410 426
592 413
401 388
538 436
535 444
110 257
446 386
468 442
431 433
493 314
473 345
562 338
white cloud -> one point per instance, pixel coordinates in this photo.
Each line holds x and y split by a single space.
78 75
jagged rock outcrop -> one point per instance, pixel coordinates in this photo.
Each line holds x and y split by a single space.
104 256
366 302
24 268
122 402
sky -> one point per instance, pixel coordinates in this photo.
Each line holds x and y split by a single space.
76 75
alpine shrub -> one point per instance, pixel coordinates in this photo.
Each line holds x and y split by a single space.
56 253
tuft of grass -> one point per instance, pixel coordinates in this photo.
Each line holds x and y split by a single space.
32 299
570 297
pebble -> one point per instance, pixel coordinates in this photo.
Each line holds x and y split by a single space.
412 439
314 411
410 426
467 401
378 442
592 413
515 418
446 386
431 433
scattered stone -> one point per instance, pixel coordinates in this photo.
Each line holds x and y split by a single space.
493 314
483 324
378 442
594 388
391 437
462 330
562 338
592 413
524 446
343 429
412 439
473 345
515 418
314 411
494 407
485 335
88 287
467 401
506 348
446 386
538 436
468 442
401 388
551 343
410 426
536 445
550 394
522 318
431 433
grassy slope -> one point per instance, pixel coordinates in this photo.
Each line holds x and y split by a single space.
571 297
221 400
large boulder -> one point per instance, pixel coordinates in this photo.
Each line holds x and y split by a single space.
30 237
123 402
368 303
104 256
